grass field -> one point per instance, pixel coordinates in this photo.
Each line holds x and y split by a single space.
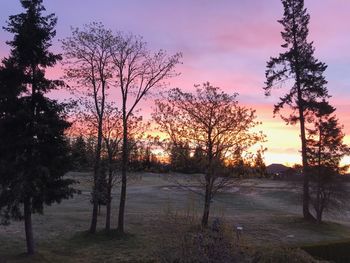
268 211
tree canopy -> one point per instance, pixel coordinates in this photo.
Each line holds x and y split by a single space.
213 121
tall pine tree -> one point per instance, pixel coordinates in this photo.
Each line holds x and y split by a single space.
33 148
297 66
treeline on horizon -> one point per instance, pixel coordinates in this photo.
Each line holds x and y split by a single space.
208 131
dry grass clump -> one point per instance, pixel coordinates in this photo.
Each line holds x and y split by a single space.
183 241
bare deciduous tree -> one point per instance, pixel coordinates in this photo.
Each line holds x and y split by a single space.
137 72
211 120
86 121
112 136
113 139
87 63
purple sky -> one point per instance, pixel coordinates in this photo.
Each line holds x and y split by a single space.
226 42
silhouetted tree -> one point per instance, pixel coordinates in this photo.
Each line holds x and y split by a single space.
147 158
90 149
112 136
88 62
111 148
11 87
33 149
325 150
302 73
238 165
138 72
259 165
212 120
180 157
198 160
79 153
139 146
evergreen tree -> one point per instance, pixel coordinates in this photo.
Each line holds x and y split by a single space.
259 163
90 150
33 149
298 66
325 149
79 153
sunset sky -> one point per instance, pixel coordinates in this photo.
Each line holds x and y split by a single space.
225 42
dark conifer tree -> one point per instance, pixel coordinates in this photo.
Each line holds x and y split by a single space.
33 148
259 165
79 153
325 150
298 67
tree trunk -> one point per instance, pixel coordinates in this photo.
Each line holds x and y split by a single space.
208 180
306 195
207 200
95 193
318 198
109 197
28 227
124 168
93 225
320 203
319 211
319 214
27 205
108 215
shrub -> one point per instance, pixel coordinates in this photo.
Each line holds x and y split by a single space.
215 244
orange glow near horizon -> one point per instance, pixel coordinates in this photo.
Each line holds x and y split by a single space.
283 144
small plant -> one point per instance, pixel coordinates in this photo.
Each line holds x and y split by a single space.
195 244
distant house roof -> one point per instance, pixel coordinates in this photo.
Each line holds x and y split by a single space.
276 168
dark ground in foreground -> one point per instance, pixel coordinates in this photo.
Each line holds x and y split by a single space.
267 210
